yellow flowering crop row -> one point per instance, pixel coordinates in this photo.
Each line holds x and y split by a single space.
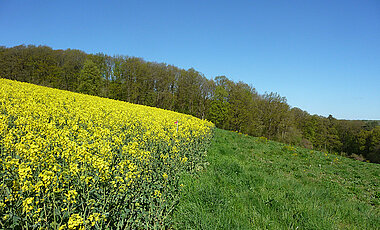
73 161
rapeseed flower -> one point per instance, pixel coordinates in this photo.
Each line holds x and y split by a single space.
82 161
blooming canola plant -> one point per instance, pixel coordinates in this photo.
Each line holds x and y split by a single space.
74 161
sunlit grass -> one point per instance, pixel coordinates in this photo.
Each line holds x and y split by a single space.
257 184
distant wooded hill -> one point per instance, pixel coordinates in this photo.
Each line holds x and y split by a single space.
230 105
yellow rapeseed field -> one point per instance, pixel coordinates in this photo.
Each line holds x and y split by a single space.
73 161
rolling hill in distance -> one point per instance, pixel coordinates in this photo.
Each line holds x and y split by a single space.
229 105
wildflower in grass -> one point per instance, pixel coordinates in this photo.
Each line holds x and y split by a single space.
5 217
263 139
165 176
157 193
184 159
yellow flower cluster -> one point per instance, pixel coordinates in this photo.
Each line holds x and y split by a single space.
262 140
74 161
290 149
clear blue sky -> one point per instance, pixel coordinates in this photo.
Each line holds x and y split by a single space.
323 56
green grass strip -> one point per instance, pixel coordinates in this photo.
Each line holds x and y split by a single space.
252 183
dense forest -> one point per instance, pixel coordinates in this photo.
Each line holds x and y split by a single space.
229 105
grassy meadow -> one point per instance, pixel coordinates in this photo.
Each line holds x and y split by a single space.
253 183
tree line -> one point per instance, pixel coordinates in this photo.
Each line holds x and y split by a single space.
229 105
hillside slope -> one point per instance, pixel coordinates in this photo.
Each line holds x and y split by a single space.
74 161
252 183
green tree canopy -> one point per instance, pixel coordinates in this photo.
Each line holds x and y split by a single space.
89 79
